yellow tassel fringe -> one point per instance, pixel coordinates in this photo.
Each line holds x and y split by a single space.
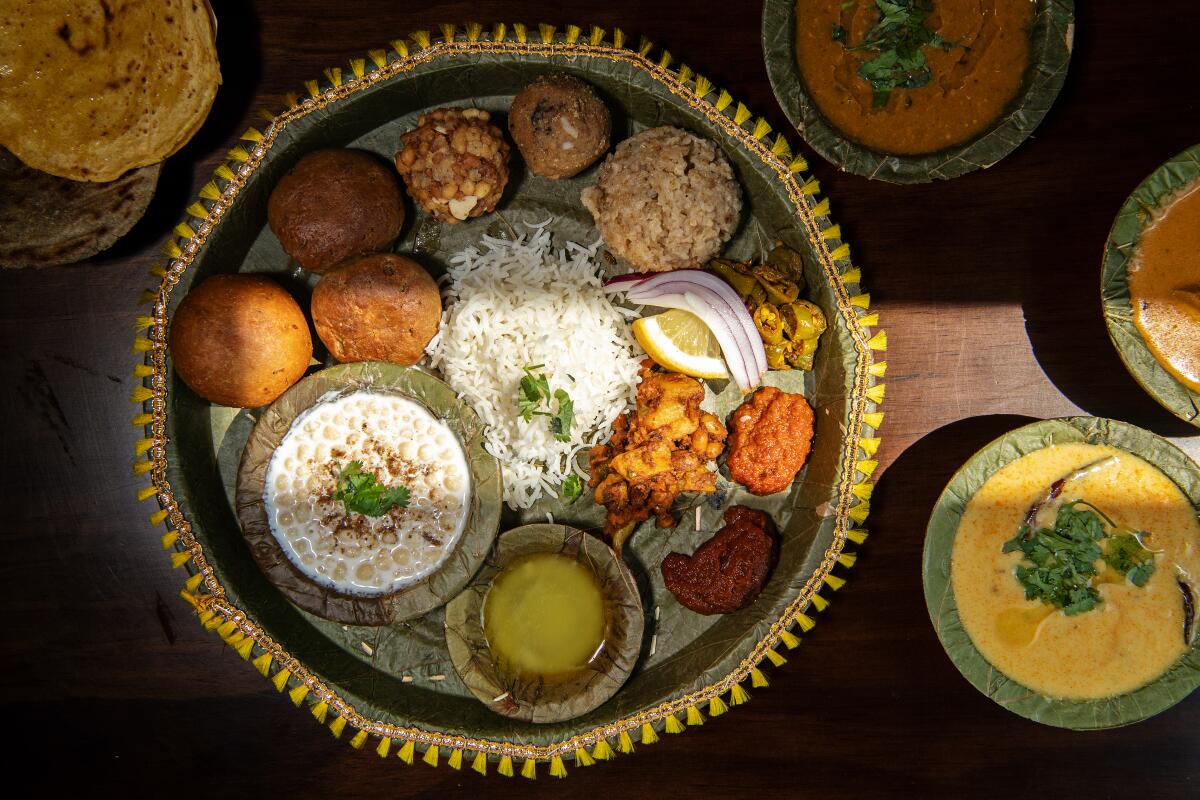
431 755
455 759
648 734
405 753
529 769
775 658
716 706
480 763
602 751
557 768
505 767
694 717
624 743
384 747
359 740
337 726
673 725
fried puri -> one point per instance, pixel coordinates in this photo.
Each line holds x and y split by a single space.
239 340
381 307
334 205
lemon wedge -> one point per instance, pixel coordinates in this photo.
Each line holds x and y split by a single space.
680 341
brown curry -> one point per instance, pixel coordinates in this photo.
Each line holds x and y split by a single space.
1164 287
974 75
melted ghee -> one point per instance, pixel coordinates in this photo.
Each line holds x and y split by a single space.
1134 635
544 616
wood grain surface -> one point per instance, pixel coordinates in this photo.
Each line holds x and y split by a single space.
988 287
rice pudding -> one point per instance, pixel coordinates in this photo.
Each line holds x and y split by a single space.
399 443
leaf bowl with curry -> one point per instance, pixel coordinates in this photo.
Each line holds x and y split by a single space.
909 91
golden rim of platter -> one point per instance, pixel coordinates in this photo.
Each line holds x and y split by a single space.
204 591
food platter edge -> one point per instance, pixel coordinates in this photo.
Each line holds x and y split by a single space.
203 591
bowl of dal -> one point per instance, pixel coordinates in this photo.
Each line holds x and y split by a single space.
910 92
1150 284
1060 572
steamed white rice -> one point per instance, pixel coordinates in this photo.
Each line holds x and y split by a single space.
512 304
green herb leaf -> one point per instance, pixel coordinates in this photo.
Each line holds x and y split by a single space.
572 487
361 493
564 417
1127 556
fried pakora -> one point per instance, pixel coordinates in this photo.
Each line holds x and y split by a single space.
772 436
657 451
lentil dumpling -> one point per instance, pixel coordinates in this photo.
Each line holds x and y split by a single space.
560 126
335 205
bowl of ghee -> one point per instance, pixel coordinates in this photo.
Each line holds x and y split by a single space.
550 628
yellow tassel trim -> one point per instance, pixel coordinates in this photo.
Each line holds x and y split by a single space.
868 320
867 466
833 232
211 622
505 767
520 33
811 187
191 600
238 154
263 664
298 694
337 726
723 100
775 658
141 394
146 493
359 740
878 369
193 582
421 38
358 66
142 467
852 275
694 717
378 58
547 33
529 769
142 370
313 88
405 753
874 419
757 679
716 707
602 751
158 516
480 763
805 622
147 297
798 164
281 678
861 300
878 341
431 755
169 538
266 116
856 535
557 768
821 209
860 512
741 114
863 490
624 742
142 420
820 602
400 46
597 36
847 560
738 695
618 38
582 759
334 75
455 759
244 647
142 445
870 445
644 47
841 252
781 148
474 31
224 172
664 60
789 639
384 747
210 191
685 73
673 725
834 582
499 31
447 32
319 710
142 322
198 211
179 559
876 393
703 86
573 32
171 250
648 734
761 128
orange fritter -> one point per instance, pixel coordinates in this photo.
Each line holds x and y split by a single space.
772 435
659 450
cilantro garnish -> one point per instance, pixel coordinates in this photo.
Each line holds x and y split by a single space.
360 492
1060 562
895 43
533 399
571 487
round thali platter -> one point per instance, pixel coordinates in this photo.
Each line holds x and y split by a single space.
394 687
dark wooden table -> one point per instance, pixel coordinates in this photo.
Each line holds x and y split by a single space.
987 286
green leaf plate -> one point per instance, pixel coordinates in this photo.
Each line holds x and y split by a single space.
1053 36
1158 695
1139 209
395 684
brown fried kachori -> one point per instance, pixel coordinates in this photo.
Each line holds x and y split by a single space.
92 90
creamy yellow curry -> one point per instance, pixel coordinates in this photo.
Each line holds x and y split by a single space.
1164 286
950 88
1133 633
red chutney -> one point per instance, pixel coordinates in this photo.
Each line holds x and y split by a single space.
972 83
770 440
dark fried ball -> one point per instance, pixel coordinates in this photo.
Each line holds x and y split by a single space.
560 126
239 340
382 307
770 437
455 163
334 205
728 571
